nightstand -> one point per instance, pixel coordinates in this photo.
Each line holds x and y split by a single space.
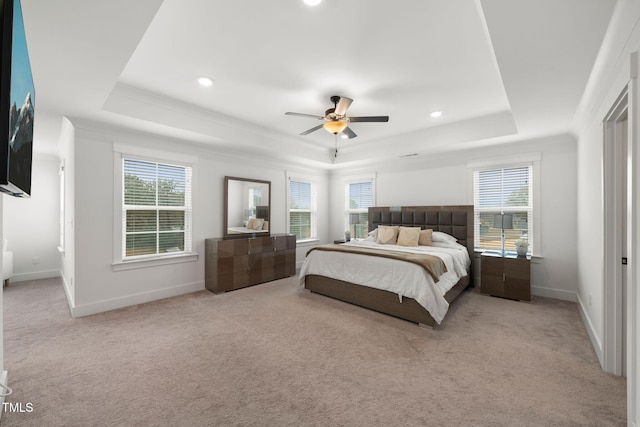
506 276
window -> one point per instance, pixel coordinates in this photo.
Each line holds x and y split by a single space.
156 209
505 190
302 208
359 197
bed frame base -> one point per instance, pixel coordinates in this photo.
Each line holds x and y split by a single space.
377 299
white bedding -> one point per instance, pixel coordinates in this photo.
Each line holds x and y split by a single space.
400 277
243 230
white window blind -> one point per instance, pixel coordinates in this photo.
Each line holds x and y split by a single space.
505 190
359 198
156 214
301 212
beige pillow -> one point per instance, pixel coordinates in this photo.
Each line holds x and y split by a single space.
408 236
387 235
257 224
250 223
425 237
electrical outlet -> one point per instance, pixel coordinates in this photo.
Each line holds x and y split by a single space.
589 300
35 260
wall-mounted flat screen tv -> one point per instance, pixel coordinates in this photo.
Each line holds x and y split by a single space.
17 100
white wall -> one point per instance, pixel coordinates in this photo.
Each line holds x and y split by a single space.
97 286
611 75
31 225
446 180
2 197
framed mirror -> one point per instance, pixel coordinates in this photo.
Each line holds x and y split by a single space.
247 207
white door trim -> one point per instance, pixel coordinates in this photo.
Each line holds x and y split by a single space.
612 255
627 103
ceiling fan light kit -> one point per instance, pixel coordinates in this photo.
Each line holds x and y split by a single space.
334 127
336 118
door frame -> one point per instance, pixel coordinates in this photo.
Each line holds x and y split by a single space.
612 238
627 102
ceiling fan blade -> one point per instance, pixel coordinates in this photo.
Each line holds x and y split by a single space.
368 119
313 129
304 115
343 106
350 134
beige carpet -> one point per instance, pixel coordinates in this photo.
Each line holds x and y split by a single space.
276 355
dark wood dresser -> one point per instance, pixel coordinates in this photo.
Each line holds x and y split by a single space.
237 263
506 276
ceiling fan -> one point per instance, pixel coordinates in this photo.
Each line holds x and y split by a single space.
336 120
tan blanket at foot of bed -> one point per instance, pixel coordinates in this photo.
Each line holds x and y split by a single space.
431 263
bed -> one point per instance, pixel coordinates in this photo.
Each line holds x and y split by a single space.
253 225
425 301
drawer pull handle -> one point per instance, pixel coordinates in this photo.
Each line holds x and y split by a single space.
504 277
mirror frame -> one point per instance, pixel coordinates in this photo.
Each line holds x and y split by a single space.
226 233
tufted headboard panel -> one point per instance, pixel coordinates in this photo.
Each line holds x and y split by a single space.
454 220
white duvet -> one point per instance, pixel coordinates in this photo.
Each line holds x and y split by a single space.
400 277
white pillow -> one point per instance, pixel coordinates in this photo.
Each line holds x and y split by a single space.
439 236
455 245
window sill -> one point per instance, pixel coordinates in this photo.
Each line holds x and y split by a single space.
308 242
154 262
478 252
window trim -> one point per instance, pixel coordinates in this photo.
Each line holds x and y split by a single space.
120 151
527 159
314 204
353 180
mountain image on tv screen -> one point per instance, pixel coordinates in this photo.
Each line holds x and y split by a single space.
21 143
21 112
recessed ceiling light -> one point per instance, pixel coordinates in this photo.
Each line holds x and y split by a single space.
435 114
344 136
312 2
205 81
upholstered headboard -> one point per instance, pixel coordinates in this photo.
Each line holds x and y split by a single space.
454 220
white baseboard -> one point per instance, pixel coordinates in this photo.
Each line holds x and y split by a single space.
35 275
67 291
595 342
129 300
554 293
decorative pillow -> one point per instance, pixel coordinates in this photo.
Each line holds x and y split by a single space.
439 236
425 237
256 224
387 235
408 236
